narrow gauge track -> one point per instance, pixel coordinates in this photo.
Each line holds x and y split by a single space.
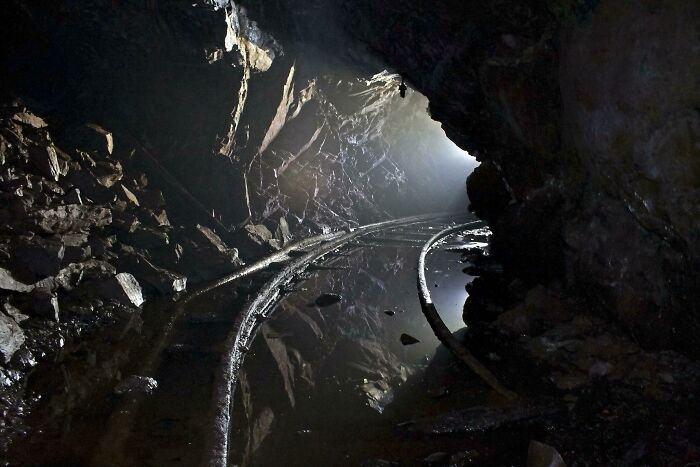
202 346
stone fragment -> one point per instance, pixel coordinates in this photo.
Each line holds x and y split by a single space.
124 289
145 237
282 234
212 239
42 303
40 257
76 247
90 189
166 282
11 337
135 384
130 195
108 174
259 233
9 283
27 118
73 197
152 199
46 161
70 218
14 312
543 455
437 459
407 339
327 299
93 139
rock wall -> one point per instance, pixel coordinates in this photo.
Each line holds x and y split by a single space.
585 113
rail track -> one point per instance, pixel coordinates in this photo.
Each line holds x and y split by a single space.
203 343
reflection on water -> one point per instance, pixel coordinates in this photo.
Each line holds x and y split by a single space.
320 385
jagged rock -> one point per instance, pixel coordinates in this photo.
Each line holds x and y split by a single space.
70 218
151 198
46 160
407 339
89 187
543 455
27 118
124 289
14 312
73 197
76 247
41 303
126 222
259 233
11 337
135 384
282 234
38 256
101 246
166 282
157 218
108 174
205 254
130 195
212 239
92 138
145 237
9 283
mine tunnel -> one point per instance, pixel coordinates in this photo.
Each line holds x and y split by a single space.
350 233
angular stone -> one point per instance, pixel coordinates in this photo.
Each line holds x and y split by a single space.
135 384
145 237
90 189
259 233
93 139
40 257
11 337
157 218
28 118
42 303
46 160
77 248
108 173
211 238
14 312
73 197
9 283
124 289
152 199
71 218
166 282
130 195
283 234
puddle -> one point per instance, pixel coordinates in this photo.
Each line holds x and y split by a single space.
321 384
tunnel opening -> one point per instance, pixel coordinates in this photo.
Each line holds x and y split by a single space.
237 233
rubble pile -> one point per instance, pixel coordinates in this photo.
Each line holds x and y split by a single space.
84 237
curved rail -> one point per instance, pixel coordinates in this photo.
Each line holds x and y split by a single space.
117 429
438 326
247 321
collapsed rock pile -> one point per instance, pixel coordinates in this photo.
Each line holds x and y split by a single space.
83 236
